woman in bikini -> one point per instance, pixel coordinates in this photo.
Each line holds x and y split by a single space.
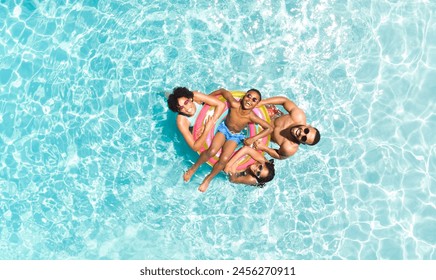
188 105
256 174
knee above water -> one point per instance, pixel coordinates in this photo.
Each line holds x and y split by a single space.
224 159
212 152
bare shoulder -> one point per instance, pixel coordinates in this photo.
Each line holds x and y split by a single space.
182 121
198 95
234 104
282 121
298 116
288 149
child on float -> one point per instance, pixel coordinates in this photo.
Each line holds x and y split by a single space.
229 134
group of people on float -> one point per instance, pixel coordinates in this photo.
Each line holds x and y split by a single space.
287 130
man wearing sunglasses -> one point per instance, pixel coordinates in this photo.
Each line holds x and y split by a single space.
290 130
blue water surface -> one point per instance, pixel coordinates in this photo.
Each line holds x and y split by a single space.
92 162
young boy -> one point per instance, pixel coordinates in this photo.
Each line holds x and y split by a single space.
229 133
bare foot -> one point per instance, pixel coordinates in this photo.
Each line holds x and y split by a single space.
203 187
188 174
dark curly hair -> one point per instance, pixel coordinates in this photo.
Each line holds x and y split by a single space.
177 93
316 138
271 173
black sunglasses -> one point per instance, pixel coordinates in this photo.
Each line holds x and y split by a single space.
252 98
260 170
304 138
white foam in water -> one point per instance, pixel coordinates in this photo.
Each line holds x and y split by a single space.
17 11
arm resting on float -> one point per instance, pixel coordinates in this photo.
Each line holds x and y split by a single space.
183 127
296 113
211 101
226 94
279 100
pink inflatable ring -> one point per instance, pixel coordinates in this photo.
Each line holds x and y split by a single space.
251 130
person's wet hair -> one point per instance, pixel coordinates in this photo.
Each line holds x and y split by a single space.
316 138
271 173
177 93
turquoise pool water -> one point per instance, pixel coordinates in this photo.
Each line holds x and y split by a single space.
91 162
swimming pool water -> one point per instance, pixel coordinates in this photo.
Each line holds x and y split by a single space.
92 163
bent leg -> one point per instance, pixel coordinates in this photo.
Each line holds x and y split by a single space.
217 142
228 149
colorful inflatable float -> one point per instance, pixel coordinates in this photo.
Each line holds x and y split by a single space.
251 130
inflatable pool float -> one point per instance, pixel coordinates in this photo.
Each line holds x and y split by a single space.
251 130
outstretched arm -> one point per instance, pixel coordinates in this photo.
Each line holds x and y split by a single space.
296 113
226 94
279 100
212 101
281 153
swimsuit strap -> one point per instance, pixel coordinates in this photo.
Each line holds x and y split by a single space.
193 118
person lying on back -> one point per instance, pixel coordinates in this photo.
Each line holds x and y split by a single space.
290 130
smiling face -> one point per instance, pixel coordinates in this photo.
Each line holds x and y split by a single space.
259 170
304 134
250 100
186 106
